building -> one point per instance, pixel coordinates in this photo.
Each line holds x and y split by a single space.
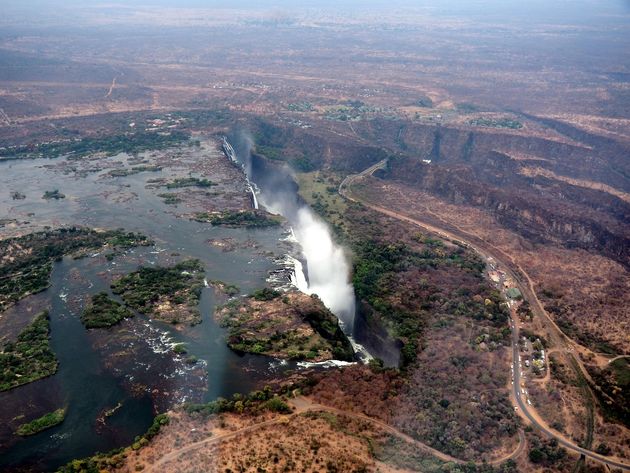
514 293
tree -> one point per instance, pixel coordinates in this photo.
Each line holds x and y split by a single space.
603 449
536 455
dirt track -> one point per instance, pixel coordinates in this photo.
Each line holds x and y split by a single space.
302 405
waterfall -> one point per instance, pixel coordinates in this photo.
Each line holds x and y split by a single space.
298 278
231 154
254 198
327 268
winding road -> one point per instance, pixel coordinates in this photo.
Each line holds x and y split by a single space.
303 405
528 293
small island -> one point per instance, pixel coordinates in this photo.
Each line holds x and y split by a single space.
133 170
170 294
243 218
29 358
42 423
289 325
170 198
189 182
48 195
104 312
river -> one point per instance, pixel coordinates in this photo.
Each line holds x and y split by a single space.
131 369
88 381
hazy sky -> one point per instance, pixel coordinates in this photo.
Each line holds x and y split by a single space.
546 10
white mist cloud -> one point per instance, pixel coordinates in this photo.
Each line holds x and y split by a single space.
328 268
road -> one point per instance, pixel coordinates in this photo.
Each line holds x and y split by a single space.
618 358
111 88
302 405
528 294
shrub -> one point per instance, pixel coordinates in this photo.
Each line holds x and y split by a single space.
276 404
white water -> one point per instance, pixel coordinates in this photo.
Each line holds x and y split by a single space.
328 270
298 279
324 364
327 267
254 198
327 275
229 150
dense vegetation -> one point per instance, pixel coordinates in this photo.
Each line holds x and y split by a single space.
265 294
170 198
425 102
124 143
379 271
612 387
103 311
327 326
545 452
30 357
254 402
179 286
45 422
243 218
26 261
225 288
189 182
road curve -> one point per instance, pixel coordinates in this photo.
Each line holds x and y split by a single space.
304 405
520 403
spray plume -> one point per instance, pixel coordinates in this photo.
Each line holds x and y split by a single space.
328 270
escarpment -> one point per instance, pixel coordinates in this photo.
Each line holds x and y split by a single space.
538 208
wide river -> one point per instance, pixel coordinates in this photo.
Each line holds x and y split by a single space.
130 372
86 382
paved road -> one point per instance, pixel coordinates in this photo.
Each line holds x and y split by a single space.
526 409
618 358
